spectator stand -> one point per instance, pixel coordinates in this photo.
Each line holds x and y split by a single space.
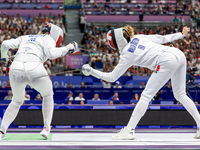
32 1
72 4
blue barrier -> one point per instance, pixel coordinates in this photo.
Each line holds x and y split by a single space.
63 81
125 94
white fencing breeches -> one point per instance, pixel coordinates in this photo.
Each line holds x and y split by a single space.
40 81
170 67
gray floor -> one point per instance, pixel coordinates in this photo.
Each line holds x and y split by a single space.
90 139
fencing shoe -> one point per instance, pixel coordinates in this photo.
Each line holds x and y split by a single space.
2 136
45 133
197 136
124 134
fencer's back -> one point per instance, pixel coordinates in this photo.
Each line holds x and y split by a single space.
31 50
33 44
143 51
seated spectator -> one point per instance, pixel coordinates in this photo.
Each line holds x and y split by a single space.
47 6
15 1
60 6
70 96
83 85
103 11
68 73
38 97
70 85
114 97
117 85
7 86
38 6
80 97
95 5
93 63
111 102
126 6
82 102
106 84
106 5
137 5
96 97
23 1
99 64
29 19
142 84
27 96
69 102
136 96
175 20
169 85
9 96
157 96
60 73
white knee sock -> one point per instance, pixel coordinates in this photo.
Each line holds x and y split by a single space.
47 111
137 114
191 108
9 116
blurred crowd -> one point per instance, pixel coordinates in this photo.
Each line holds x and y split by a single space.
15 26
153 7
104 58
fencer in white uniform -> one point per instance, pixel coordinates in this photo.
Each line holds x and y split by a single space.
27 68
147 51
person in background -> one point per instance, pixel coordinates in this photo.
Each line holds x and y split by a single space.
47 6
70 85
96 97
169 85
136 96
38 97
142 84
7 86
82 102
111 102
80 97
9 96
69 97
27 96
69 103
83 85
117 85
106 85
157 96
114 97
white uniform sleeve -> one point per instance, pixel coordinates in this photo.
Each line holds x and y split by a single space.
161 39
119 70
53 52
9 44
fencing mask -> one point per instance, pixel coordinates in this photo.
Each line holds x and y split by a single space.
55 32
116 39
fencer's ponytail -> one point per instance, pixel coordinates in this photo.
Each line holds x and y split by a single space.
130 31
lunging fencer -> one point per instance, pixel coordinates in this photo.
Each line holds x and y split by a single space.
27 68
147 51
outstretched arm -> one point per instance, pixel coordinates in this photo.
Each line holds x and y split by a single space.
119 70
53 52
160 39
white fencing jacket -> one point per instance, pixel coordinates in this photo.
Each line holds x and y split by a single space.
144 51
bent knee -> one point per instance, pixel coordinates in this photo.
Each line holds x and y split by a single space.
180 97
145 97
